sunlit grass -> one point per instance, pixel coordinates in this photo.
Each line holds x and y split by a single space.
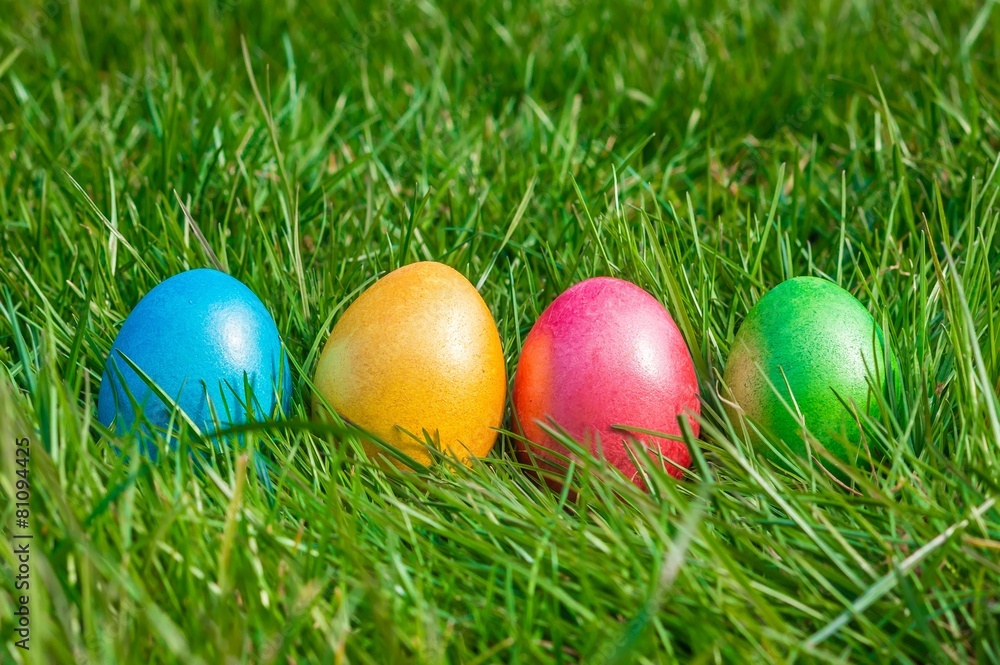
705 151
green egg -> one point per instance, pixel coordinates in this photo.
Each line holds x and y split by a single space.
810 346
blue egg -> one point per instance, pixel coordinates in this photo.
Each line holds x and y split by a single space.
207 342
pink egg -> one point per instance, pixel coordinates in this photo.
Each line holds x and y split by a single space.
606 353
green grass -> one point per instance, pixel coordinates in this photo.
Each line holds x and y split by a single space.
705 151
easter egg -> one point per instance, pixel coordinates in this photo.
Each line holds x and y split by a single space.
808 344
417 357
208 343
603 358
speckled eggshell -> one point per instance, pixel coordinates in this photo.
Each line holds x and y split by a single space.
417 352
605 353
811 336
201 336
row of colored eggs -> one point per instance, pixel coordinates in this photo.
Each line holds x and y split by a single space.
417 361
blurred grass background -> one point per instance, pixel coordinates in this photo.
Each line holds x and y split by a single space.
705 150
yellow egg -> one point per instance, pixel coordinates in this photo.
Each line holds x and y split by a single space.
417 352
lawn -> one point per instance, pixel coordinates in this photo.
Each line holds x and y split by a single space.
706 151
